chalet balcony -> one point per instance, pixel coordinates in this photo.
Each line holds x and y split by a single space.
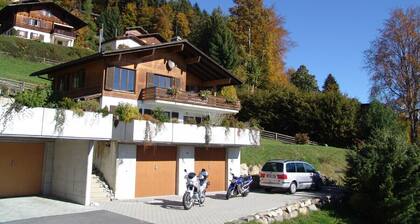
63 32
155 93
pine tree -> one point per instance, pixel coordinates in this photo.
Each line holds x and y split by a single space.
87 37
330 84
303 80
129 17
111 20
222 46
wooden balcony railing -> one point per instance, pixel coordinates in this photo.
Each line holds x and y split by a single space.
64 32
155 93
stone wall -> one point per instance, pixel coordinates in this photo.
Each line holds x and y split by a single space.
286 212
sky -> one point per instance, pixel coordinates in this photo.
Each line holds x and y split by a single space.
330 36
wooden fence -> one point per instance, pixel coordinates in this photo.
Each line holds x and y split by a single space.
11 87
281 137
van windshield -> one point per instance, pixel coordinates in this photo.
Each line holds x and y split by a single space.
273 167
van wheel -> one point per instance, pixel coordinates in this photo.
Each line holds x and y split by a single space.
292 188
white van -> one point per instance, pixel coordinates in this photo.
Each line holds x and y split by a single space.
290 175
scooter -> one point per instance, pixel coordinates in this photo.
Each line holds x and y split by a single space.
239 186
196 189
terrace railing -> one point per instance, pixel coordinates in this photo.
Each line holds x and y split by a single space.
155 93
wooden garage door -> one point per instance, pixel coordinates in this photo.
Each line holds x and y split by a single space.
156 171
21 168
214 161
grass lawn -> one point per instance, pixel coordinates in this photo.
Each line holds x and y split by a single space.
19 69
324 217
330 161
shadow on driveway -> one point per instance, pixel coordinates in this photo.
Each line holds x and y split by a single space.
168 204
102 217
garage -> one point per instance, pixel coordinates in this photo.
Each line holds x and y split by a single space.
21 168
155 171
214 161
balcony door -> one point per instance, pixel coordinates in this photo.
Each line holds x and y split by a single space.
161 81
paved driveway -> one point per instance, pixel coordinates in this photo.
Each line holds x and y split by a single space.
216 209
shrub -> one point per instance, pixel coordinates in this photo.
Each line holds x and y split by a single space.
89 105
160 115
229 93
126 112
384 179
302 138
32 98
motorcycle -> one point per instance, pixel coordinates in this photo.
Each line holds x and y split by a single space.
239 186
196 189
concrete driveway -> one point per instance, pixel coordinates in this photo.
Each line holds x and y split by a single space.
216 209
168 209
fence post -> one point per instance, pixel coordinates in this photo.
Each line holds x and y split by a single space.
275 136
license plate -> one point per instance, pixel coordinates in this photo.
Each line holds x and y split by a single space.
271 176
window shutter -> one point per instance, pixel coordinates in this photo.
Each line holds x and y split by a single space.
149 80
177 83
109 79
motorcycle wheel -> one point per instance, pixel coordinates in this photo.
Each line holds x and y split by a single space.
228 194
203 198
187 201
245 193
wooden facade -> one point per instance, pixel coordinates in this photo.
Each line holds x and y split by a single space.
49 17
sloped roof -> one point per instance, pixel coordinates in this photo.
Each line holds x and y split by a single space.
206 68
11 9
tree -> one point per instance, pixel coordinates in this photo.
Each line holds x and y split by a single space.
3 3
87 35
182 25
330 84
111 20
163 21
394 63
384 179
129 18
303 80
254 73
259 32
222 46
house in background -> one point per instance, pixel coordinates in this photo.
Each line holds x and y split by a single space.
141 69
43 21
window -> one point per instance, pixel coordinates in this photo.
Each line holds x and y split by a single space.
21 33
124 79
46 13
290 167
147 111
160 81
273 167
308 168
300 168
174 116
37 36
189 120
62 83
34 22
79 79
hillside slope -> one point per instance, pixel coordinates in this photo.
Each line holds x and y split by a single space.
20 57
330 161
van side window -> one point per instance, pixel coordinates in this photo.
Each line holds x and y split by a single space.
308 168
290 168
300 168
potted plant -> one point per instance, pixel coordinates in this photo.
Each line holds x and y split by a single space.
204 94
172 91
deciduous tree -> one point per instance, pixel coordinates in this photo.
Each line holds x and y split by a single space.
394 62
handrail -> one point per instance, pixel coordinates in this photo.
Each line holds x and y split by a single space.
281 137
156 93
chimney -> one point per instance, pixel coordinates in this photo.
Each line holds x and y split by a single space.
176 38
